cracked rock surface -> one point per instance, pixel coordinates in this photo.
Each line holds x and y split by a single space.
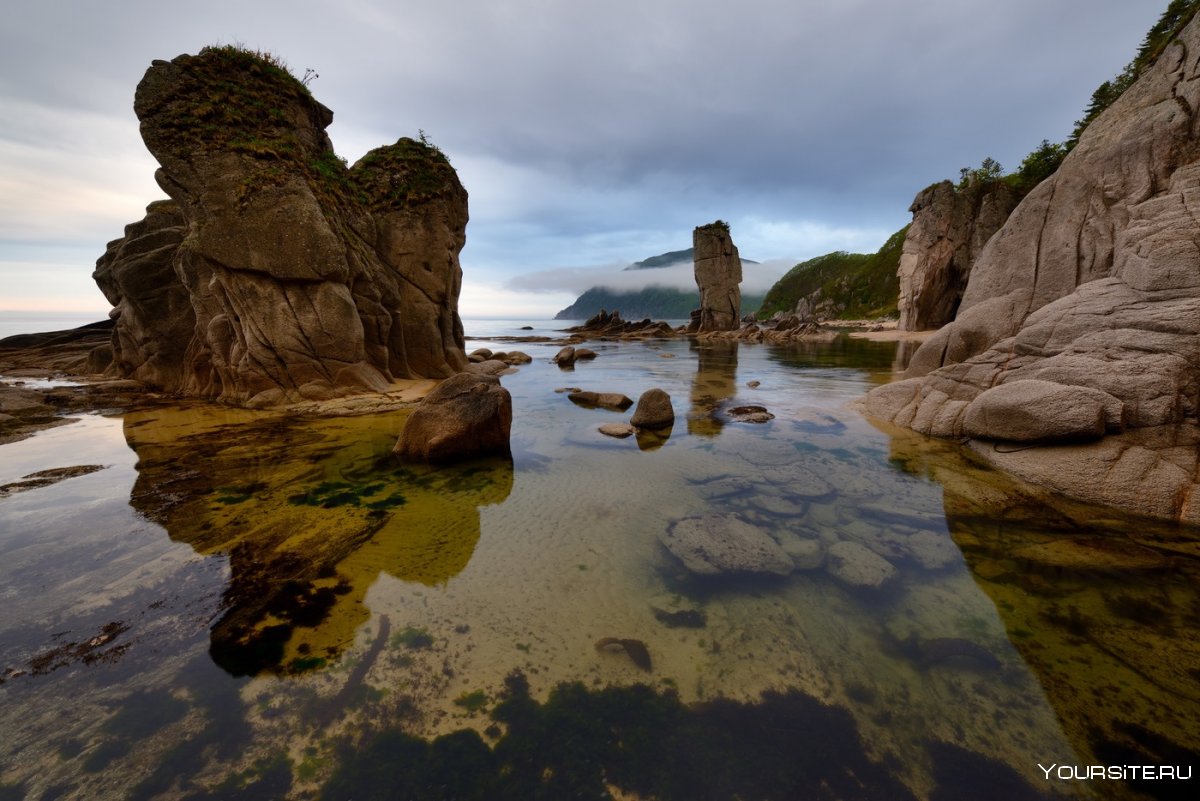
276 273
1091 286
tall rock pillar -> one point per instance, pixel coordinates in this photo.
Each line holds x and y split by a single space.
718 274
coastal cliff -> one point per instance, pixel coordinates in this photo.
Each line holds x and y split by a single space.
951 224
277 272
1078 334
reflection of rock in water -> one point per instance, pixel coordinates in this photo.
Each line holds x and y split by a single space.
714 383
637 742
905 349
292 504
1103 609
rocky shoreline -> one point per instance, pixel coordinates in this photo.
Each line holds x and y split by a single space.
1071 362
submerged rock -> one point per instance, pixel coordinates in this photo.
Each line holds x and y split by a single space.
859 567
636 650
465 417
805 553
748 414
618 430
720 544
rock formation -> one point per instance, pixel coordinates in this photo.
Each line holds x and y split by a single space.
949 229
467 416
1093 284
278 273
714 545
718 274
654 410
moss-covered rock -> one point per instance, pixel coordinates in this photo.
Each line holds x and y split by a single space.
295 276
840 285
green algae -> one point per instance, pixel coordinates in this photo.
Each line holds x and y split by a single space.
473 701
1096 612
583 743
293 502
294 583
412 637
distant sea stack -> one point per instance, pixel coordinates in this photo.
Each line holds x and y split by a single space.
277 273
1074 360
718 275
656 300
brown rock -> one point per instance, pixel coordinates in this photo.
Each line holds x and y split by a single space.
1092 285
565 357
605 400
718 274
654 410
859 567
1039 411
278 273
717 544
618 430
949 229
465 417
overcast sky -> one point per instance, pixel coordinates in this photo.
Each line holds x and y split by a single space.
589 135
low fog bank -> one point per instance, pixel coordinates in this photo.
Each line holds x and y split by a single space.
756 278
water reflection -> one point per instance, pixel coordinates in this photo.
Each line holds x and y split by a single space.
310 512
942 631
1101 607
714 383
905 349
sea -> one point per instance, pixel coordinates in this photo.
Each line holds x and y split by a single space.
206 602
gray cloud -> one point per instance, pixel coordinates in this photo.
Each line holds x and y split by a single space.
585 133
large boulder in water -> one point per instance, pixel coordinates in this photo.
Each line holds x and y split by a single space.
654 410
467 416
282 273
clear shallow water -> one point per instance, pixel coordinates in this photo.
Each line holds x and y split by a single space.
247 606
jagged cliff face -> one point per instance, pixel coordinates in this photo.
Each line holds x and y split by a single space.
719 276
949 230
1081 319
302 278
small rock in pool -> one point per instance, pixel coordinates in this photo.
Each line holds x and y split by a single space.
605 400
565 357
682 619
749 414
654 410
618 430
635 649
754 384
